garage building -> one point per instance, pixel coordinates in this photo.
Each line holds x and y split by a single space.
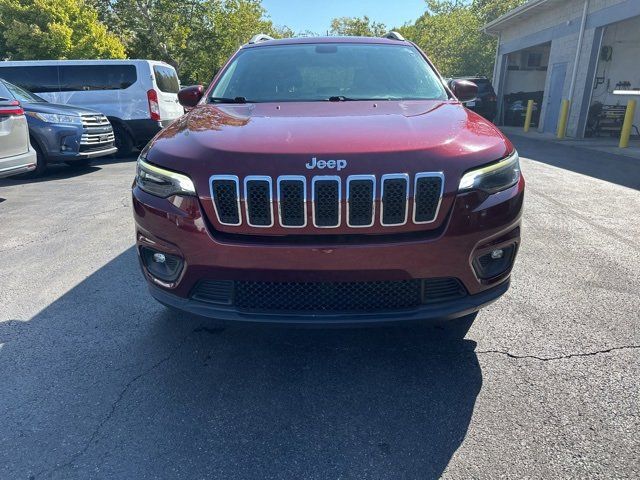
580 50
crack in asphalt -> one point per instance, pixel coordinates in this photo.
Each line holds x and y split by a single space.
203 329
114 406
558 357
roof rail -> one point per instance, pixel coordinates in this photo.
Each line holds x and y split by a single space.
261 37
393 35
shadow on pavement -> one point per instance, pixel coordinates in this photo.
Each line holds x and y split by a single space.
612 168
61 171
53 172
105 383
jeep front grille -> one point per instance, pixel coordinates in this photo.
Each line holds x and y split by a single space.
259 199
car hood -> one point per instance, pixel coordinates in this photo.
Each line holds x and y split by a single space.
439 129
45 107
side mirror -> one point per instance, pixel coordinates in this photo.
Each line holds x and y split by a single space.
464 90
190 96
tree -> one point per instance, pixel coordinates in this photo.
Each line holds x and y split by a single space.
195 36
450 32
54 29
357 26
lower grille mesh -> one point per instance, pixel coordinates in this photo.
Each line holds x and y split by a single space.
328 297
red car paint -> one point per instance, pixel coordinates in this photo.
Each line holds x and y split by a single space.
274 139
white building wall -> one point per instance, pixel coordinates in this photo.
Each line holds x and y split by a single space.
562 20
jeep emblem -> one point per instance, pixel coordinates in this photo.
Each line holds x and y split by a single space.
337 164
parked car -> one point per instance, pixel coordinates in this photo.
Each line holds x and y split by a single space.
63 133
328 180
139 97
16 154
486 103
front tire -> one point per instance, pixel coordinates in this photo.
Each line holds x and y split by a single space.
124 142
41 163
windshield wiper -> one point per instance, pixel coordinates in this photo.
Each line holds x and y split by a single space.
227 100
340 98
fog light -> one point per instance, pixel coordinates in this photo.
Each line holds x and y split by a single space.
163 266
494 263
159 257
496 254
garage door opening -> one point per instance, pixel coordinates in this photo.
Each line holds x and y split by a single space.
617 80
525 78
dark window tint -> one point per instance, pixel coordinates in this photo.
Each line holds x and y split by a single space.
484 85
166 79
35 79
96 77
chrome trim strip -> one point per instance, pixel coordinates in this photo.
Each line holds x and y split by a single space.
298 178
235 179
371 178
391 176
334 178
415 189
260 178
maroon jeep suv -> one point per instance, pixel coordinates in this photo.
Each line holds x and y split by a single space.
332 181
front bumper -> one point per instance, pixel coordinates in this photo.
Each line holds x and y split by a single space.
475 225
64 142
441 311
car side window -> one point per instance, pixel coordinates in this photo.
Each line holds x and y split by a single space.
74 78
35 78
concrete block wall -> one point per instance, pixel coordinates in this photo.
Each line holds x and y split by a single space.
561 25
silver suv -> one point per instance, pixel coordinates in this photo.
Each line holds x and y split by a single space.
16 154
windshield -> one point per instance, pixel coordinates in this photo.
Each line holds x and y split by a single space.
319 72
22 95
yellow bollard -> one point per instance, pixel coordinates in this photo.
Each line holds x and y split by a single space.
527 119
628 123
562 120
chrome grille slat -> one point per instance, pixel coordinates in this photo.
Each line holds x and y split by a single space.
96 138
292 201
94 120
258 200
427 196
361 196
326 201
394 195
225 194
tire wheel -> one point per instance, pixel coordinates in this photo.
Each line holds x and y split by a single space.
83 163
41 164
124 142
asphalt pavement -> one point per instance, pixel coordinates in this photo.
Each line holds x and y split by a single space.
99 381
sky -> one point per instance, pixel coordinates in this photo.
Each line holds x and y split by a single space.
316 15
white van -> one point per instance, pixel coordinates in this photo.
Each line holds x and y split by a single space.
138 96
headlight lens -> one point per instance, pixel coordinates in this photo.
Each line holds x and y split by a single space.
56 118
162 183
494 177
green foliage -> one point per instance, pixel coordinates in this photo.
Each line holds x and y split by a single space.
54 29
198 36
357 27
195 36
450 32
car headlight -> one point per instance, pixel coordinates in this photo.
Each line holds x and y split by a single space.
162 183
56 118
494 177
